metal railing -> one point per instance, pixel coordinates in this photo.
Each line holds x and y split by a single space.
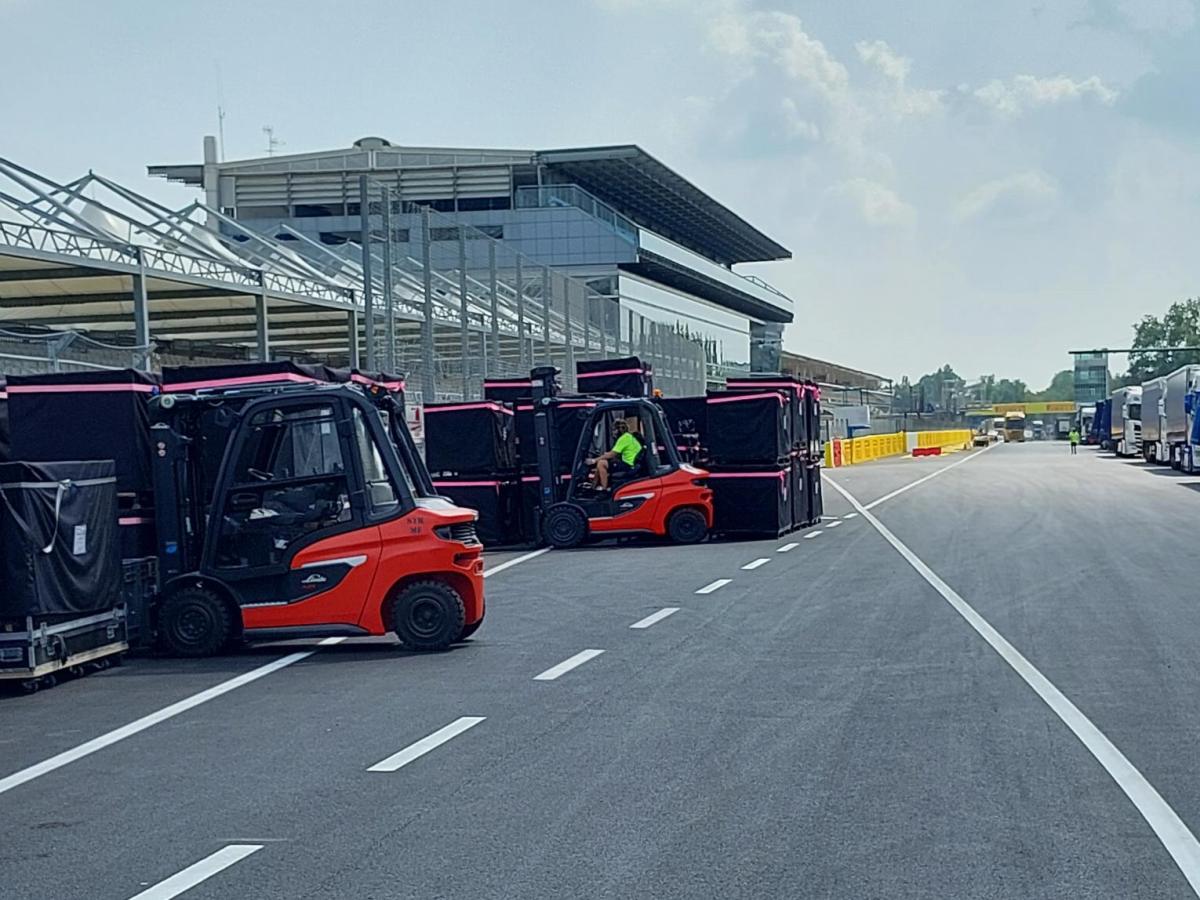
572 195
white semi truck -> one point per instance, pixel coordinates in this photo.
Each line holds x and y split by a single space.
1126 428
1183 386
1154 421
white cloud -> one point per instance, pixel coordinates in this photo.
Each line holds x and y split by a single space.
1022 198
902 100
1025 92
877 204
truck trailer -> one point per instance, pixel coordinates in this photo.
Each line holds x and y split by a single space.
1182 387
1154 427
1125 423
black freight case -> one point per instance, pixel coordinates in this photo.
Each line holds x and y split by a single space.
4 438
748 428
59 556
507 390
475 438
627 376
85 415
754 501
688 419
496 500
571 416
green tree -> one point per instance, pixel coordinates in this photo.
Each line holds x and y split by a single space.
1008 390
1062 387
1180 327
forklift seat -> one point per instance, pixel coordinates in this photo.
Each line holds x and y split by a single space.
618 477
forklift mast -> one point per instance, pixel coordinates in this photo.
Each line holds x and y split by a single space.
544 383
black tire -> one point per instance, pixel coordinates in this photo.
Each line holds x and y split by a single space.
469 630
687 526
564 526
427 615
194 622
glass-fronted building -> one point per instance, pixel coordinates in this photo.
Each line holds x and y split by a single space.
616 217
1091 378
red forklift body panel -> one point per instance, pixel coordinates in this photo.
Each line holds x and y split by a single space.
340 572
670 492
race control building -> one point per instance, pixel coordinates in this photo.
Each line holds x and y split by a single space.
631 227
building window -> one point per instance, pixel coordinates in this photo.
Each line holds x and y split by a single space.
316 210
264 212
474 204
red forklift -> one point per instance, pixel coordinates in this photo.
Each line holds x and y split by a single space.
659 495
287 509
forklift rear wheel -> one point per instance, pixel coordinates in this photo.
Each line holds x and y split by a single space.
194 621
428 615
565 526
687 526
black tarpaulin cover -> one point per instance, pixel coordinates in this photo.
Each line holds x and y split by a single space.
507 390
229 375
495 501
746 428
469 438
793 392
628 376
752 500
58 543
688 420
570 416
85 415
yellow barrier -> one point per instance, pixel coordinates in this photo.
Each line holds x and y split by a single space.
851 451
957 438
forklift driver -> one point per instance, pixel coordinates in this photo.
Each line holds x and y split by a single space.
620 458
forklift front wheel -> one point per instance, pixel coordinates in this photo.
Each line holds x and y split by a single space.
194 621
687 526
428 615
565 526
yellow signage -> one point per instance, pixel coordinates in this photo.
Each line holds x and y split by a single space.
1052 406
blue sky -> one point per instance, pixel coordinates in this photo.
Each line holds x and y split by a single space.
985 184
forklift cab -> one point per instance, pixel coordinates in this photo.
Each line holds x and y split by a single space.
301 512
657 494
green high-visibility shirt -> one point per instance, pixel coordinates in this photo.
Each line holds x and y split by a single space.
627 447
1074 437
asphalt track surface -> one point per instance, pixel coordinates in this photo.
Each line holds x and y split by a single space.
824 724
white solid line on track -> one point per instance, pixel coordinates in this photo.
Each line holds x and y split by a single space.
148 721
833 524
812 534
755 563
1166 824
786 547
921 480
714 586
424 745
567 665
849 515
198 872
655 617
508 564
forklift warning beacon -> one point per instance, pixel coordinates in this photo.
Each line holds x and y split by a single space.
657 495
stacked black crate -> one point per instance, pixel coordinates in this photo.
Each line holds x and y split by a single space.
814 453
750 462
688 419
792 392
470 451
627 377
70 416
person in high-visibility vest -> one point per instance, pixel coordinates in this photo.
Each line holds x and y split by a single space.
1073 437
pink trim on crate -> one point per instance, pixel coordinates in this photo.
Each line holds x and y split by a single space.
608 372
538 478
389 385
575 405
740 397
459 407
132 520
81 388
239 380
441 484
771 384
